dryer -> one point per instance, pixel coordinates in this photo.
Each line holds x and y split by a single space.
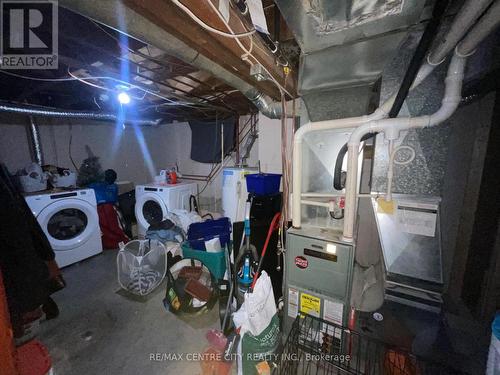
153 202
70 221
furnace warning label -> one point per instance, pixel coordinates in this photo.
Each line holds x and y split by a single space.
293 302
418 218
333 312
310 304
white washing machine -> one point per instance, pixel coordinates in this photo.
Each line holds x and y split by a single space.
70 221
153 202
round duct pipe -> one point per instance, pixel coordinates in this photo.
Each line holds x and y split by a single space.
30 110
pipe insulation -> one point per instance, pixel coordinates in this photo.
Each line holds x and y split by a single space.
30 110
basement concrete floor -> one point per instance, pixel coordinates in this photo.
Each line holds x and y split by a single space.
102 330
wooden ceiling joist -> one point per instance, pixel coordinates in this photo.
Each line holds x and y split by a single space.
222 50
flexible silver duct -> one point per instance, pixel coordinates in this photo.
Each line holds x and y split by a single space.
267 105
25 109
35 143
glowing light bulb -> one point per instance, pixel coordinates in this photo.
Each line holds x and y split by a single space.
123 98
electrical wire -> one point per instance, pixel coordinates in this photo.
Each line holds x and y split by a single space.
85 80
66 79
130 85
247 52
203 24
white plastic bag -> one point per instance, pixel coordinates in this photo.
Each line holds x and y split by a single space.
258 309
259 324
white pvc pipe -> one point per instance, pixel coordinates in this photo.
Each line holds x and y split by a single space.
469 13
390 171
321 195
391 129
334 195
392 160
466 17
488 22
344 123
315 203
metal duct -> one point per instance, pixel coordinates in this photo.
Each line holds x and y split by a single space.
266 105
30 110
115 14
345 45
35 143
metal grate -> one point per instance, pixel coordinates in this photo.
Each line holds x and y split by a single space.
315 346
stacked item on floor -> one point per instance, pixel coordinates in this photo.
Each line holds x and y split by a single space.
193 281
191 288
208 241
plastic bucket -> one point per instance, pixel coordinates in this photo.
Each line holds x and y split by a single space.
215 262
263 183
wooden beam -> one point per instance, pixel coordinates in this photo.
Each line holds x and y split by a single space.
222 50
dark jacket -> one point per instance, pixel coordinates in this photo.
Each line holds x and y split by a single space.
23 252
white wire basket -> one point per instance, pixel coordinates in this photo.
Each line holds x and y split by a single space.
142 265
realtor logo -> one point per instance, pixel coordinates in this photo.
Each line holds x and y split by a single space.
29 38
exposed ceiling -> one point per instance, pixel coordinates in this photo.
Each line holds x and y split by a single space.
159 83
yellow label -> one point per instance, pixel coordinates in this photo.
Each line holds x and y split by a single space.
385 207
310 304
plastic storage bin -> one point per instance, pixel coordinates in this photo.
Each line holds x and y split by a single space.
198 233
263 183
215 262
105 193
142 265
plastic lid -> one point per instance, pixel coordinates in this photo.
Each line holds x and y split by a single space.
495 326
33 359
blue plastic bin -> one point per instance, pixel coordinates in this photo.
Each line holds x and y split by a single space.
198 233
263 183
105 193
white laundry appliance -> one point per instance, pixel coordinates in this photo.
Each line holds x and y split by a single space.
234 192
153 202
70 221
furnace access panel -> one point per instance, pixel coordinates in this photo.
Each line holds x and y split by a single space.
318 275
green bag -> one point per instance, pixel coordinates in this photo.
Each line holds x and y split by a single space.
255 349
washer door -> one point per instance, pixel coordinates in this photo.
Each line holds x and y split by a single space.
150 209
68 223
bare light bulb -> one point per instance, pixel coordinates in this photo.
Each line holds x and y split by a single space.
123 98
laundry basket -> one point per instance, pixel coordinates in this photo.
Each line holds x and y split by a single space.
142 265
